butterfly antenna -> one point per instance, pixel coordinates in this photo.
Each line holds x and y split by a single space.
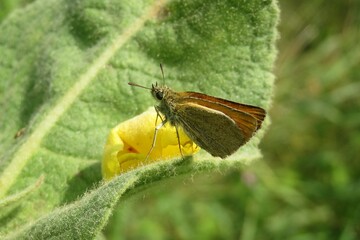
137 85
162 72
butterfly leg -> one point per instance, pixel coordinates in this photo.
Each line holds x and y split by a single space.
156 132
158 115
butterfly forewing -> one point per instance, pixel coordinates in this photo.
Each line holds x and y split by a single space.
219 104
241 114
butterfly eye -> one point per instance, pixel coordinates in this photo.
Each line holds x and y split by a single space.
159 95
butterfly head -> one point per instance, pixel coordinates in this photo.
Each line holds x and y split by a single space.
157 92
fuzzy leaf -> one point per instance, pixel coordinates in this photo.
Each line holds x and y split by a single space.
64 69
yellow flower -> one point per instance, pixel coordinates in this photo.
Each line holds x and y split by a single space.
129 143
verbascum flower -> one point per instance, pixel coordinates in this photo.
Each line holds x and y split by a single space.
130 142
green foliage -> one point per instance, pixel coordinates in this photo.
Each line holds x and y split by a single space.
314 140
7 6
64 71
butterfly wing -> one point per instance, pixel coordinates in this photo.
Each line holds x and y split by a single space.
223 105
220 133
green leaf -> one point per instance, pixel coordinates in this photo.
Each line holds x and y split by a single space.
81 220
64 69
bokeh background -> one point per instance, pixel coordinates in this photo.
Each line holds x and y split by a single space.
308 184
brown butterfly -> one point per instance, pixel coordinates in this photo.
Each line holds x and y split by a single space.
217 125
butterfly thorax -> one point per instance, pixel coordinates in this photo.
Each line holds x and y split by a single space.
167 99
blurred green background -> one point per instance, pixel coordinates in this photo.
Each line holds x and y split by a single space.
308 185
